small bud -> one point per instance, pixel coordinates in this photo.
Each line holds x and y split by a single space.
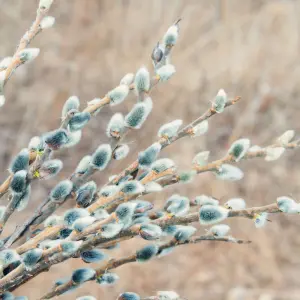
129 296
86 298
56 139
101 157
165 72
5 62
162 165
50 168
132 187
8 257
61 191
138 115
31 257
107 279
274 153
142 80
147 157
81 275
183 233
153 187
115 127
219 230
187 176
47 22
124 212
111 230
239 148
127 79
146 253
260 219
53 221
92 256
121 152
177 205
169 130
85 194
201 158
220 101
142 206
287 205
73 214
150 232
19 182
20 162
100 214
28 54
24 199
211 214
118 94
45 4
83 165
200 129
171 36
235 204
229 172
80 224
70 246
167 295
109 190
285 138
79 120
36 144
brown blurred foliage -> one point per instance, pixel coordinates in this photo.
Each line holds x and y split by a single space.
249 48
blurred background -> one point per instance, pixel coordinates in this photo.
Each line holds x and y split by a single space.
249 48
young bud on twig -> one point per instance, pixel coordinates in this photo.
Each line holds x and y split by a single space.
177 205
100 214
138 115
153 187
85 194
211 214
79 120
118 94
169 130
111 230
235 204
45 4
183 233
219 230
109 190
165 72
28 54
80 224
108 279
220 101
70 246
49 169
150 232
201 158
56 139
124 212
142 80
162 165
121 152
81 275
127 79
288 205
8 257
31 257
92 256
286 137
239 148
132 187
167 295
19 182
187 176
36 144
260 219
129 296
147 157
229 172
73 214
71 104
200 129
47 22
83 165
170 229
146 253
142 206
53 221
171 36
116 126
61 191
101 157
274 153
20 162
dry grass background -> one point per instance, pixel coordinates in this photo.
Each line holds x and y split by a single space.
249 48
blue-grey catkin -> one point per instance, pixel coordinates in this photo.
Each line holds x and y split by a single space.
73 214
50 168
73 139
116 126
121 152
239 148
153 187
31 257
127 79
56 139
211 214
21 298
166 72
229 172
177 205
101 157
170 229
70 246
20 162
8 257
129 296
140 220
108 279
148 156
183 233
24 199
142 206
61 191
53 221
100 214
146 253
80 224
71 104
19 181
220 101
142 80
124 212
79 120
85 194
109 190
82 275
92 256
36 144
8 296
171 36
167 295
83 165
86 298
162 165
132 187
169 130
205 200
118 94
111 230
150 232
138 115
157 54
187 176
64 233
